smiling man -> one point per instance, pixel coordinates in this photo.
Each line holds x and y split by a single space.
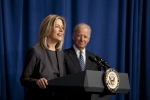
81 37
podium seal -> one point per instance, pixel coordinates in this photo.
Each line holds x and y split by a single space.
111 79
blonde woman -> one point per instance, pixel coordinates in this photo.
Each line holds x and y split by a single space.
44 61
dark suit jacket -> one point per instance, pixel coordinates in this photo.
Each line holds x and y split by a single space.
38 65
72 63
72 66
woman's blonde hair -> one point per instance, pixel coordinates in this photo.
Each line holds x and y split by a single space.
47 29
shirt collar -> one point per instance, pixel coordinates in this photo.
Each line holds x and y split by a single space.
77 50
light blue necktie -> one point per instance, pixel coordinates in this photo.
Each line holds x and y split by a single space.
81 60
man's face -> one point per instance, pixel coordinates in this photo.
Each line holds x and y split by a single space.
81 37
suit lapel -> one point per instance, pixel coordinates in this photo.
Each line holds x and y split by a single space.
74 58
87 61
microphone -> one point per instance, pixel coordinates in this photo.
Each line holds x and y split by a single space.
93 59
102 61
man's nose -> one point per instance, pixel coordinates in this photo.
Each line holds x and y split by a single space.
82 38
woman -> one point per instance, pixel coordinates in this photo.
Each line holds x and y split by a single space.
44 61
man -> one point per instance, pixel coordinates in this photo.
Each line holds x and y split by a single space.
81 37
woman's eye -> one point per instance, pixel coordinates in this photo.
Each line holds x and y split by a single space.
62 28
56 26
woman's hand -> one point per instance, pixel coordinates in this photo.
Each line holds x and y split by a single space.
42 82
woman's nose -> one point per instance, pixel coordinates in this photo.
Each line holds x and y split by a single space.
60 29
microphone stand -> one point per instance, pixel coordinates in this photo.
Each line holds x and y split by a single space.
104 63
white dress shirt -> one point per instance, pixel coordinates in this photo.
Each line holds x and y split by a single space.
78 53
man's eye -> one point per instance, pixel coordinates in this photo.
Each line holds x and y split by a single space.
85 36
78 35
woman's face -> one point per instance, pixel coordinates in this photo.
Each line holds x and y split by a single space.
58 34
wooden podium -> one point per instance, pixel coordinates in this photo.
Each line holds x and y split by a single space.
91 82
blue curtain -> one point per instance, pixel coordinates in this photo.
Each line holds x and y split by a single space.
120 35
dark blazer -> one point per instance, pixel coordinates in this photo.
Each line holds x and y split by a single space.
38 65
72 66
72 63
